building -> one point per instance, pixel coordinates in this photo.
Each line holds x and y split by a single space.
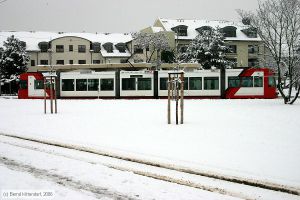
247 48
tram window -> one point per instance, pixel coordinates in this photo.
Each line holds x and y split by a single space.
258 81
67 84
163 83
128 84
23 84
93 84
211 83
186 83
144 83
233 81
81 84
195 83
247 81
107 84
38 84
271 81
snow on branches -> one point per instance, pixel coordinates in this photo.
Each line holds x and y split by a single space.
13 59
208 49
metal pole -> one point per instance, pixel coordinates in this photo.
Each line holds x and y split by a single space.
55 99
45 105
51 95
176 98
181 97
169 100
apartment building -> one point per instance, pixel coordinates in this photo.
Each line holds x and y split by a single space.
247 47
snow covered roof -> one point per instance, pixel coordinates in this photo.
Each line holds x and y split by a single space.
33 38
193 24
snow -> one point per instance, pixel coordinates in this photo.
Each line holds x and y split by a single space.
193 24
251 139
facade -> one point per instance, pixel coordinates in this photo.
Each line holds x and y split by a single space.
247 48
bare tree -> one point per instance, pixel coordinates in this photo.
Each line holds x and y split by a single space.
278 25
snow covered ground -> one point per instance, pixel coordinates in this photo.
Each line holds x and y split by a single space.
252 139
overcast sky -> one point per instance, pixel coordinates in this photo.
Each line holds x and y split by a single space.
110 15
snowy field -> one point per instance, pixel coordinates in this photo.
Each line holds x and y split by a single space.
252 139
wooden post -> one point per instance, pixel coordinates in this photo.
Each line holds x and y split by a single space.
45 96
176 98
169 99
181 97
55 99
51 95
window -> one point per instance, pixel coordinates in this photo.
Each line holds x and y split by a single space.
96 46
128 84
81 48
23 84
163 83
271 81
123 61
81 84
81 62
67 84
253 49
59 48
247 81
32 62
186 83
233 81
232 49
258 81
144 83
60 62
253 63
44 46
108 47
107 84
195 83
71 62
93 84
70 48
44 62
181 30
96 61
138 50
229 31
38 84
183 49
121 47
211 83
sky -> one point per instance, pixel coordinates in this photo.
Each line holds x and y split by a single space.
110 15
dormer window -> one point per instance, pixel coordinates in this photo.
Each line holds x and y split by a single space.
181 30
229 31
44 46
121 47
250 32
96 47
108 47
201 29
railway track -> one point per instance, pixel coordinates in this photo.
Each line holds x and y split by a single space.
227 185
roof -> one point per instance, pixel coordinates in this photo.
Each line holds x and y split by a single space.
193 24
32 39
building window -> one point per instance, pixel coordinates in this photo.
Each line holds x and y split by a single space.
128 84
71 62
229 31
144 83
183 49
195 83
81 84
181 30
60 62
211 83
81 48
231 49
258 81
163 83
81 62
93 84
38 84
96 46
247 81
59 48
32 62
107 84
70 48
67 84
44 46
123 61
108 47
96 61
233 81
253 49
137 49
44 62
253 63
121 47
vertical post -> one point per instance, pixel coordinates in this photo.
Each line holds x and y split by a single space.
176 97
55 98
181 97
45 105
51 95
169 100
